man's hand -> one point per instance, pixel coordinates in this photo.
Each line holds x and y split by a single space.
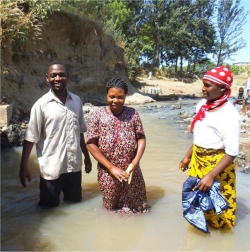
23 175
88 165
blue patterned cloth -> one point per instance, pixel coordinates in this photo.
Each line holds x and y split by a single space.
194 203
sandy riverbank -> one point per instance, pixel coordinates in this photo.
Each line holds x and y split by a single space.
172 86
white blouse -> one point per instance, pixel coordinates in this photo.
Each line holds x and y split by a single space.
219 129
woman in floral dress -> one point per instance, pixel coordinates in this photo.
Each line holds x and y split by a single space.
116 139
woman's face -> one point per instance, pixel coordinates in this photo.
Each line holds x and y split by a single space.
212 91
116 98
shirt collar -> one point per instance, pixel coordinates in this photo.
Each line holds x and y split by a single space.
52 97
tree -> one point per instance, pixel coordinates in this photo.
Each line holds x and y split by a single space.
115 16
155 16
230 20
202 30
179 38
131 30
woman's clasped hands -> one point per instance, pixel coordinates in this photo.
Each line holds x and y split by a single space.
122 175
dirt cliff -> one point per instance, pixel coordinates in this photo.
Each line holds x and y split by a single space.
92 57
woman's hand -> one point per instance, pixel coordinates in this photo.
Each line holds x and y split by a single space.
119 174
130 171
205 183
183 166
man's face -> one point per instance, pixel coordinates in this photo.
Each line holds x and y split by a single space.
57 78
241 91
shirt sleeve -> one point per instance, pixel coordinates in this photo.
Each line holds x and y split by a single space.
35 125
82 122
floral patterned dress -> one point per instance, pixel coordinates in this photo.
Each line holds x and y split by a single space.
117 139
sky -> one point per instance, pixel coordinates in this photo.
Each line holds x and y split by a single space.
243 55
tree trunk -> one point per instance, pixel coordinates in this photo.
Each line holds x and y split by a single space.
188 66
156 52
181 64
176 62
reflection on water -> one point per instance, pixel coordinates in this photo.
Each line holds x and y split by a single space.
85 226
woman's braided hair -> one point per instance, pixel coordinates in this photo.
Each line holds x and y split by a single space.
117 83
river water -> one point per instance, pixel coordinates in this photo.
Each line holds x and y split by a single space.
85 226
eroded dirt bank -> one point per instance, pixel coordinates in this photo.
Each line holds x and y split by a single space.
92 57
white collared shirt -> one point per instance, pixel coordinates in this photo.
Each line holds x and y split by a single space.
56 129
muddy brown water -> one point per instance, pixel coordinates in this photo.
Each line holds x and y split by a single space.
86 226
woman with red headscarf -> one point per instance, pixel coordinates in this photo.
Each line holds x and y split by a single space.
216 133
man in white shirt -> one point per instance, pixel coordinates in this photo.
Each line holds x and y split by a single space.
56 126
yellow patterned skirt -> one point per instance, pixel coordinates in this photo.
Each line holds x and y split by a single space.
202 162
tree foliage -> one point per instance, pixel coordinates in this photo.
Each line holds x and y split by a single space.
230 20
21 19
13 22
156 33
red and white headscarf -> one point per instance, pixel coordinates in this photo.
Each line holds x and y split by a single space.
219 76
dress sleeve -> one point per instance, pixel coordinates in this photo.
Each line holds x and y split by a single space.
93 129
138 126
